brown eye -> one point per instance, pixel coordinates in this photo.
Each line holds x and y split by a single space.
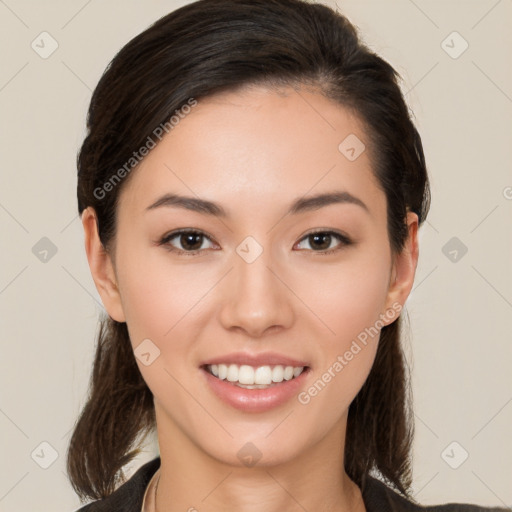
191 241
321 241
185 241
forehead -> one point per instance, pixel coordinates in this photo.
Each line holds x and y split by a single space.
257 147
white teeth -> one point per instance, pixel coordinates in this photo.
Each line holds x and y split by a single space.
288 373
262 375
277 374
245 374
232 373
254 377
223 371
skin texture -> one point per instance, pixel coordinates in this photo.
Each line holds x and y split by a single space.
254 152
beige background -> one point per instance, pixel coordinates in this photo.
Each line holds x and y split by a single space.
460 311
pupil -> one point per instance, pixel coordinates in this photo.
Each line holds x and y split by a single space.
193 239
324 236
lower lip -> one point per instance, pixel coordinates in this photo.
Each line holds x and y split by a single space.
255 400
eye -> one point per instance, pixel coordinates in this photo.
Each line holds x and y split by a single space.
191 241
323 241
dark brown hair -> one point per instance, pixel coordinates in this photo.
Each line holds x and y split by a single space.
213 46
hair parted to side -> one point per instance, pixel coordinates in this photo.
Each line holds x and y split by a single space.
212 46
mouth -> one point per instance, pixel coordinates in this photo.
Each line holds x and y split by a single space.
255 382
254 377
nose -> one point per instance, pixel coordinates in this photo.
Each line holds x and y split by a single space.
256 298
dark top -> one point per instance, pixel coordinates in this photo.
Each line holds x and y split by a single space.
377 497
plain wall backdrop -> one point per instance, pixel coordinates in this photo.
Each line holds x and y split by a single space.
454 57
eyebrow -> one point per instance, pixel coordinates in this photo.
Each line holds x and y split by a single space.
300 205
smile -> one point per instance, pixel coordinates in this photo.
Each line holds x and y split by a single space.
250 377
255 389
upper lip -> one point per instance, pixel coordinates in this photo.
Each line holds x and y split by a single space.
261 359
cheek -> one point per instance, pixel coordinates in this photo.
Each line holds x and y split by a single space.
347 297
351 309
162 303
348 301
157 296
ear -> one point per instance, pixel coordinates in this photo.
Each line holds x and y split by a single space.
404 268
101 266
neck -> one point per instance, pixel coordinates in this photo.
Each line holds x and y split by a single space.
191 480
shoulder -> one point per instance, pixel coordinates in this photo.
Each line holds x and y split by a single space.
378 497
128 497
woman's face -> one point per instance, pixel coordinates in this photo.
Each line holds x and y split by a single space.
255 286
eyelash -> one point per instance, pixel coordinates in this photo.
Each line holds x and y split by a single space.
345 241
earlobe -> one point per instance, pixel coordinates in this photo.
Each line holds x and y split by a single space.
404 267
102 269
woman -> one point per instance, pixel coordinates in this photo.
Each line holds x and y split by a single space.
250 188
